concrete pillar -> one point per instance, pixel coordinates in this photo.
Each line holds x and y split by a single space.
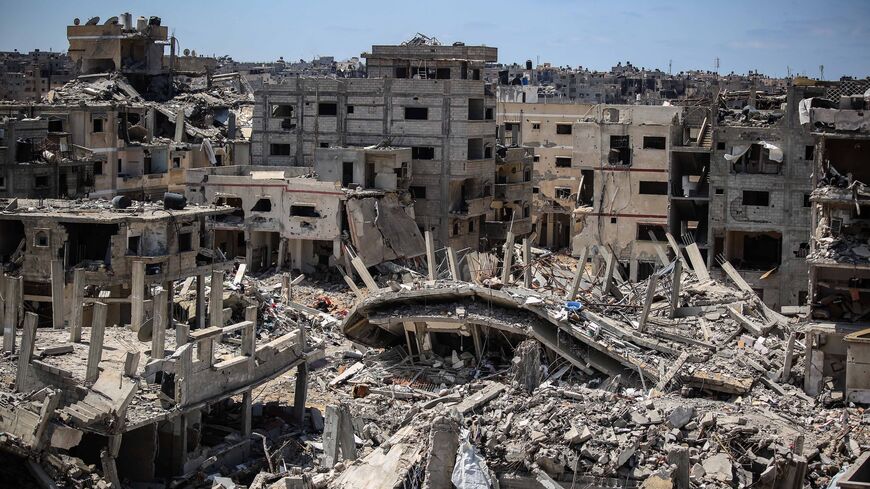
282 250
578 275
137 308
200 301
453 264
28 340
158 331
507 261
95 348
647 303
789 356
216 299
247 398
249 335
338 441
75 330
443 444
430 255
550 230
675 286
527 263
10 313
301 393
363 272
57 285
679 456
131 363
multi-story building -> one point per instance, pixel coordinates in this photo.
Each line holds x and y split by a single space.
36 162
30 76
428 97
759 209
622 153
547 128
511 208
839 259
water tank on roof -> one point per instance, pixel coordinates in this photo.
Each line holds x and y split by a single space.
141 24
153 20
126 21
76 21
528 64
174 201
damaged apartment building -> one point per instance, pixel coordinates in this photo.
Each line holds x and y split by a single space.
839 260
138 117
421 95
122 378
302 217
757 186
35 162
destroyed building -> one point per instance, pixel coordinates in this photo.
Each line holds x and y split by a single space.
547 129
426 96
142 125
759 193
511 208
838 258
303 219
38 162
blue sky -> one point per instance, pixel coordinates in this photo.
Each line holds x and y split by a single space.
765 35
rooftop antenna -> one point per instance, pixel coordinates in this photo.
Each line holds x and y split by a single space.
670 63
788 70
716 64
821 72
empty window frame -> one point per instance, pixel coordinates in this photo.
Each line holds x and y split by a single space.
281 111
423 152
620 150
536 126
658 230
563 192
279 149
97 125
304 210
417 191
416 113
756 197
40 238
327 108
653 188
809 152
563 162
654 142
262 205
563 128
98 168
185 242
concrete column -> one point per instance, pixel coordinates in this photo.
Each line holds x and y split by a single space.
57 285
430 255
200 301
282 250
28 340
507 261
675 287
787 362
550 229
216 299
158 331
647 303
301 393
95 349
527 263
452 263
247 398
338 441
249 335
137 308
679 456
10 314
75 330
443 444
578 275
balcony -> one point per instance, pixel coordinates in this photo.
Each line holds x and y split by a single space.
499 229
472 207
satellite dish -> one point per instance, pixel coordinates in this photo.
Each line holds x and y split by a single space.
93 21
187 52
76 21
111 21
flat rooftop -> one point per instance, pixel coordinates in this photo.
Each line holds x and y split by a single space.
99 210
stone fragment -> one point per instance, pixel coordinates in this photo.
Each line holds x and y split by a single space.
681 416
718 467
